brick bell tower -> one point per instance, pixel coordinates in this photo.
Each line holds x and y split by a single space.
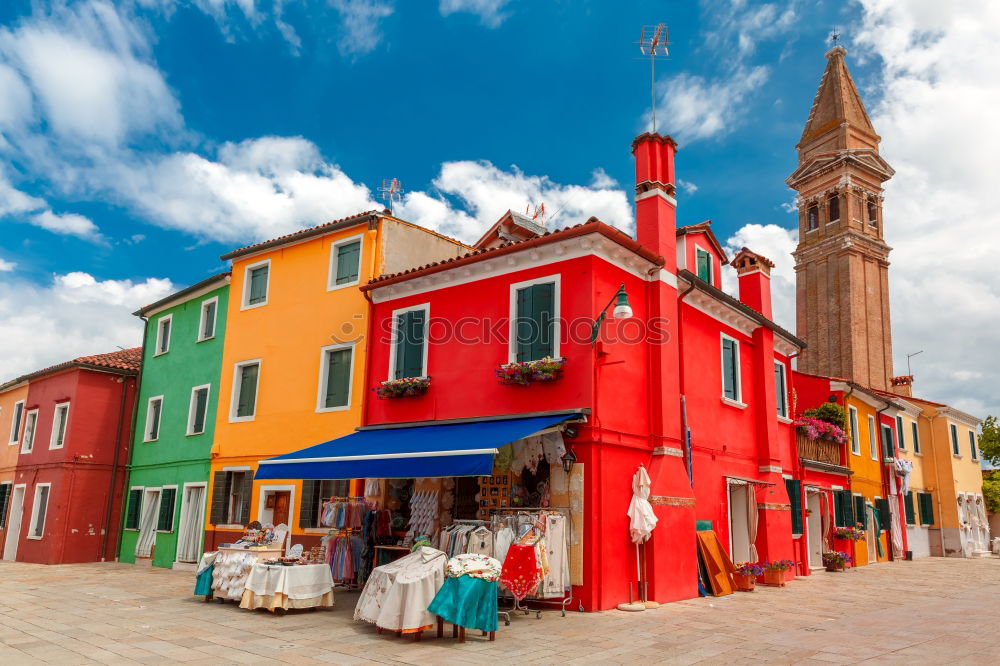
842 260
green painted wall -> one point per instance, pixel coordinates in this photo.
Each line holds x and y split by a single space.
175 458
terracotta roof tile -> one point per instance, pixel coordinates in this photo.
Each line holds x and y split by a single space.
126 361
301 233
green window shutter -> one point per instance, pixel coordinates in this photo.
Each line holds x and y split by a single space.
258 285
704 265
246 489
954 439
901 433
248 390
18 413
861 511
154 427
729 368
164 335
311 501
208 325
794 488
972 445
165 521
888 450
926 508
525 325
914 430
838 509
911 518
848 508
779 388
884 517
348 262
132 511
410 331
4 501
200 409
338 378
220 495
536 322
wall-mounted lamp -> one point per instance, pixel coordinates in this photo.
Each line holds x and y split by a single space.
622 311
568 460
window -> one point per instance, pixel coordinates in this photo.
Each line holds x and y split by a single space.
314 493
872 438
834 203
730 369
812 218
15 422
916 437
134 508
154 408
534 318
209 311
408 353
872 212
28 439
255 284
704 264
168 498
911 517
244 400
926 503
855 433
38 510
860 512
59 418
231 497
335 372
4 502
163 335
902 433
888 447
843 508
345 263
780 388
794 488
954 439
972 445
198 409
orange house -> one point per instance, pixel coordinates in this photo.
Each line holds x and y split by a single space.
12 417
293 362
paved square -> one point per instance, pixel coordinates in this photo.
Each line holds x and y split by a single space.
931 611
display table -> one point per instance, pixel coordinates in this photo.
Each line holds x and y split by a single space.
278 587
233 565
397 594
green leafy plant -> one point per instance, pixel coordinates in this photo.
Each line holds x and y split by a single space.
991 493
989 440
830 412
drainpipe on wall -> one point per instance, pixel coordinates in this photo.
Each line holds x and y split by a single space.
114 468
686 434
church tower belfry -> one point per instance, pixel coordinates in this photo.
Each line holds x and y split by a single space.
842 260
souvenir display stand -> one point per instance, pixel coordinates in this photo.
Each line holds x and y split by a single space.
280 586
233 566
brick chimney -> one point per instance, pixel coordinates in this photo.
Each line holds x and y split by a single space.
902 385
754 272
655 205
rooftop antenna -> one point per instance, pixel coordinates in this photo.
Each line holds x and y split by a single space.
391 190
537 215
834 38
653 43
908 356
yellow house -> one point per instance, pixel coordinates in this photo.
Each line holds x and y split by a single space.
13 413
293 362
921 498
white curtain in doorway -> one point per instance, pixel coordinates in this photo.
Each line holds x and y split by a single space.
193 510
752 520
895 527
147 527
982 525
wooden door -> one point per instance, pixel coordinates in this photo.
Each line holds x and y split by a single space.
281 502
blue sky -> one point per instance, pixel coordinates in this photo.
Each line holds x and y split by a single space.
141 140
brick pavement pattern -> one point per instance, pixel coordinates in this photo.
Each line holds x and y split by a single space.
930 611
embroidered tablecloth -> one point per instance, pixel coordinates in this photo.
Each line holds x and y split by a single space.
301 586
521 573
397 594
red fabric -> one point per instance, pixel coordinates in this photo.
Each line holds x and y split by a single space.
520 573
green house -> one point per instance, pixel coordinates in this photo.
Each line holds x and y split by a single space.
165 498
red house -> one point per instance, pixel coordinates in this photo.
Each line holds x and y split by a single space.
67 493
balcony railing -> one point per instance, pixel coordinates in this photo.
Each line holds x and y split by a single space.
820 450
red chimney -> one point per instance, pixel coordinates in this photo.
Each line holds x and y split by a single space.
655 206
754 272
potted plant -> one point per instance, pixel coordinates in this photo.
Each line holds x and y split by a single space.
849 533
834 560
745 576
522 373
774 572
407 387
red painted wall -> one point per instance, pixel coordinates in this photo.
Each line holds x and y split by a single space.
81 471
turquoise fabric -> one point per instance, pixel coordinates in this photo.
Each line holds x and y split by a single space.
203 583
467 602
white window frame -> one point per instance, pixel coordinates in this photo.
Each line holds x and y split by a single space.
215 320
784 391
426 307
324 376
738 375
956 448
874 442
28 444
711 263
973 448
159 334
234 398
245 297
34 510
192 404
556 314
900 434
331 275
855 429
262 498
54 435
159 507
159 419
15 424
142 500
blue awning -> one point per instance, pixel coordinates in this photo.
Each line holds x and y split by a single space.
462 449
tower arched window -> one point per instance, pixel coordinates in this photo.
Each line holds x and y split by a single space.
834 204
872 212
812 217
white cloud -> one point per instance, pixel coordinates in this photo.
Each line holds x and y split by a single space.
14 201
737 23
34 320
490 12
67 224
360 24
777 244
15 98
688 187
7 266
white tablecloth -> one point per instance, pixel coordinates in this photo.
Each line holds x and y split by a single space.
397 594
301 586
232 567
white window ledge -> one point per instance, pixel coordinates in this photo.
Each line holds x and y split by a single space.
230 527
784 419
733 403
318 530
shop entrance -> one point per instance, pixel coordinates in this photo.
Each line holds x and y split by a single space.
814 525
740 496
14 524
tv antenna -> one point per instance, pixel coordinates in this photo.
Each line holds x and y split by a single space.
653 44
834 38
391 190
537 215
908 356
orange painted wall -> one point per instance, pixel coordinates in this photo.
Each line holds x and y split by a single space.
9 452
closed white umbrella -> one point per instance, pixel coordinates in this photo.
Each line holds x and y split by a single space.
642 520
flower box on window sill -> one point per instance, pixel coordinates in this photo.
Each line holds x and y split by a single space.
523 373
407 387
